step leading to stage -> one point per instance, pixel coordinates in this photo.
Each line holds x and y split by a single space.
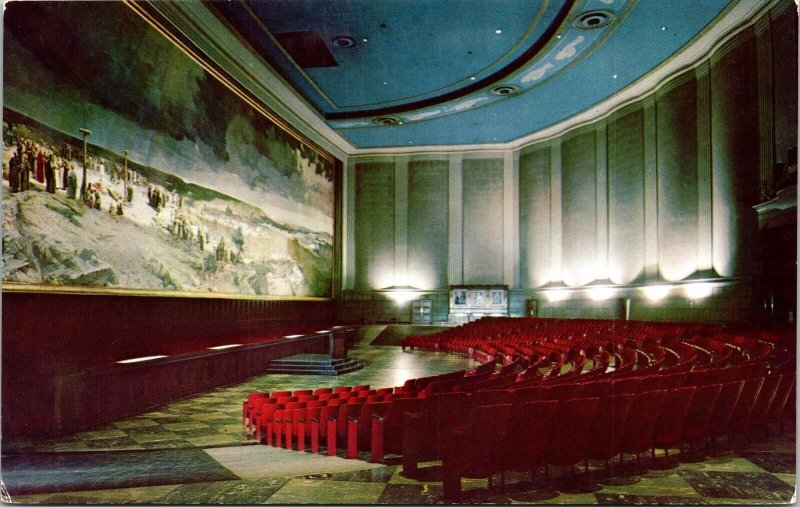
313 364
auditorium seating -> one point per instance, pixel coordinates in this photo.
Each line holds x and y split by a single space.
689 384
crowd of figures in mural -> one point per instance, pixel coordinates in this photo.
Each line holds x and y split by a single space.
224 202
121 228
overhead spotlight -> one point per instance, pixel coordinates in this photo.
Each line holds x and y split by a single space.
505 90
343 41
387 121
498 31
593 20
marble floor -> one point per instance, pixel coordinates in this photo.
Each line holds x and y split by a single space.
195 451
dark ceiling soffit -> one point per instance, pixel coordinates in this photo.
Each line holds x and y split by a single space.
520 61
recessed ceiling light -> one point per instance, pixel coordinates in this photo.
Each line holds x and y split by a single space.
385 82
472 78
343 41
364 39
505 90
386 121
615 76
593 19
498 31
663 28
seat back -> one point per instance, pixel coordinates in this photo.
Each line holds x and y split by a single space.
479 398
637 430
607 426
740 419
700 410
529 434
720 421
674 408
764 399
569 440
368 410
302 392
323 390
475 450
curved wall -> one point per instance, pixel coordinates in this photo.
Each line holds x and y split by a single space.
658 192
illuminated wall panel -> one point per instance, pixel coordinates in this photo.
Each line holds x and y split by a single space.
534 217
626 197
427 223
374 235
676 134
734 156
483 221
578 194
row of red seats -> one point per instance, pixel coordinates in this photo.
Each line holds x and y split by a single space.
564 428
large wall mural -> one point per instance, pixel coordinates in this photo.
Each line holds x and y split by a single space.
186 187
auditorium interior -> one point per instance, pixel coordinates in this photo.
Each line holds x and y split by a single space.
374 252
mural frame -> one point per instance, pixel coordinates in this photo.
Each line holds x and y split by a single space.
158 22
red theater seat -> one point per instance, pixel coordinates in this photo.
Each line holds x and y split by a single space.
423 432
570 438
669 428
387 431
472 449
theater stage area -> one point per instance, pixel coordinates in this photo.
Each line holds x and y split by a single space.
196 451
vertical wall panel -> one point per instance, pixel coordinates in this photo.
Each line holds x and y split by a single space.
676 136
704 223
735 159
556 217
626 198
483 221
511 218
650 188
374 225
455 222
601 154
578 193
427 223
400 221
784 82
534 217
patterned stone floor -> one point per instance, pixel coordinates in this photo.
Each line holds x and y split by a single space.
195 451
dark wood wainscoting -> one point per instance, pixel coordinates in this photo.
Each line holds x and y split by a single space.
60 352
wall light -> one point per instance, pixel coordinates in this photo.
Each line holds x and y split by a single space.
293 336
557 295
656 292
401 294
139 359
698 290
601 293
223 347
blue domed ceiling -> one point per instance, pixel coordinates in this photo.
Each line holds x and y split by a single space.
459 72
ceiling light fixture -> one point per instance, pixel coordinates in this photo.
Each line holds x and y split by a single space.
387 121
343 41
498 31
593 20
504 90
